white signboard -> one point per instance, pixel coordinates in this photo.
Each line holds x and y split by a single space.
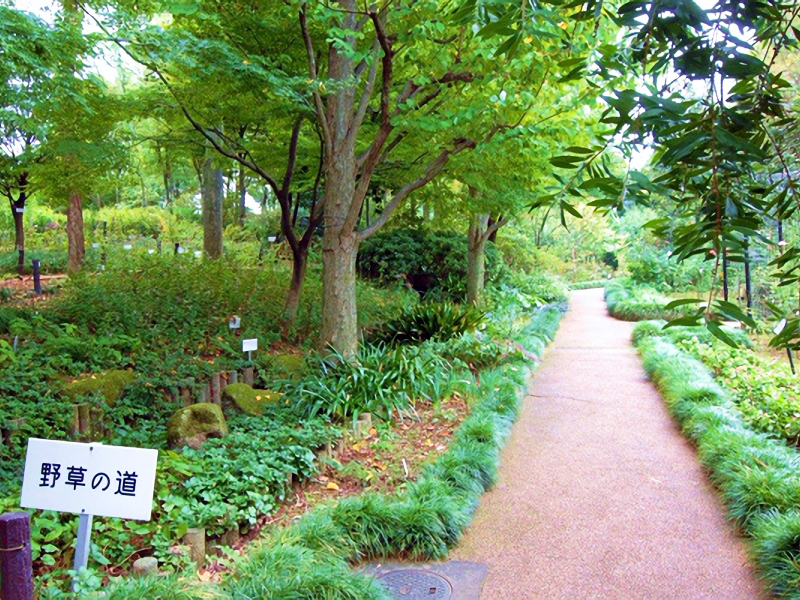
235 322
19 210
91 479
249 345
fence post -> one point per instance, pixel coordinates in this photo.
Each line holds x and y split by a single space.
16 574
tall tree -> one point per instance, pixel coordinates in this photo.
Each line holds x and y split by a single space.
32 52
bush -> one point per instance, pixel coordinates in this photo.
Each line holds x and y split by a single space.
417 324
379 380
433 263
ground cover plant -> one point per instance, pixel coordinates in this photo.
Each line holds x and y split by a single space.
163 319
311 557
629 301
756 472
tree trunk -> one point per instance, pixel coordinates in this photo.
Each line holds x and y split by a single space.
17 213
76 250
299 263
212 209
476 258
242 189
339 240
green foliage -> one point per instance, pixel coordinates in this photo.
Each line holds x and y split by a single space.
422 322
379 380
433 263
757 474
765 393
293 571
650 265
630 302
776 547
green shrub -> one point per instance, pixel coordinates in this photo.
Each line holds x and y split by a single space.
630 302
379 380
433 263
428 321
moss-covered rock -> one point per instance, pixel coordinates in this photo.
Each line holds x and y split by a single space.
109 385
287 366
248 400
193 425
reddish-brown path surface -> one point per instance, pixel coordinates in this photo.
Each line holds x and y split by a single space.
598 494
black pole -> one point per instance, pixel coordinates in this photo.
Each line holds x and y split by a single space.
37 283
177 245
791 361
747 283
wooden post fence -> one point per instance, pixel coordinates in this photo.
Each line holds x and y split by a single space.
16 574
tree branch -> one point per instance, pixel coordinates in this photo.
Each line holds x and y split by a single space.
432 170
312 71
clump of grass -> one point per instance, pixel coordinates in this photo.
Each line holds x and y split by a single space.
776 548
294 571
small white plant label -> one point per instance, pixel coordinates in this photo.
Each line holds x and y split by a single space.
19 210
235 322
249 345
127 246
272 238
95 245
181 250
197 253
151 251
779 327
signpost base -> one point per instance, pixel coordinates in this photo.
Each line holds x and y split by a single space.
82 544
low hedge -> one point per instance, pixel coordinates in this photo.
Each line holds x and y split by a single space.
629 302
312 558
758 476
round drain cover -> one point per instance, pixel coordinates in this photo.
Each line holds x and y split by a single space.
416 584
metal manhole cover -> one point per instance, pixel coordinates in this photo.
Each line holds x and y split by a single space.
416 584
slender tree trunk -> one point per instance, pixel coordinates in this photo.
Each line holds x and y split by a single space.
19 235
340 240
76 249
476 258
212 209
242 189
299 263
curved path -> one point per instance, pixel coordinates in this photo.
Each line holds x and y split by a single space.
598 494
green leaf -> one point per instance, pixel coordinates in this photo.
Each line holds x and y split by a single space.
717 332
682 302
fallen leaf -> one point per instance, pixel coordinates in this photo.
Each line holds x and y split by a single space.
332 486
356 447
373 431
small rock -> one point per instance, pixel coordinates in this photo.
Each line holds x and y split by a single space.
146 566
193 425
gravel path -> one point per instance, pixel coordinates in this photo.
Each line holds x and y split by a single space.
598 494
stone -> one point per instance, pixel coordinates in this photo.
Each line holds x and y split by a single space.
193 425
287 366
247 399
145 566
109 385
